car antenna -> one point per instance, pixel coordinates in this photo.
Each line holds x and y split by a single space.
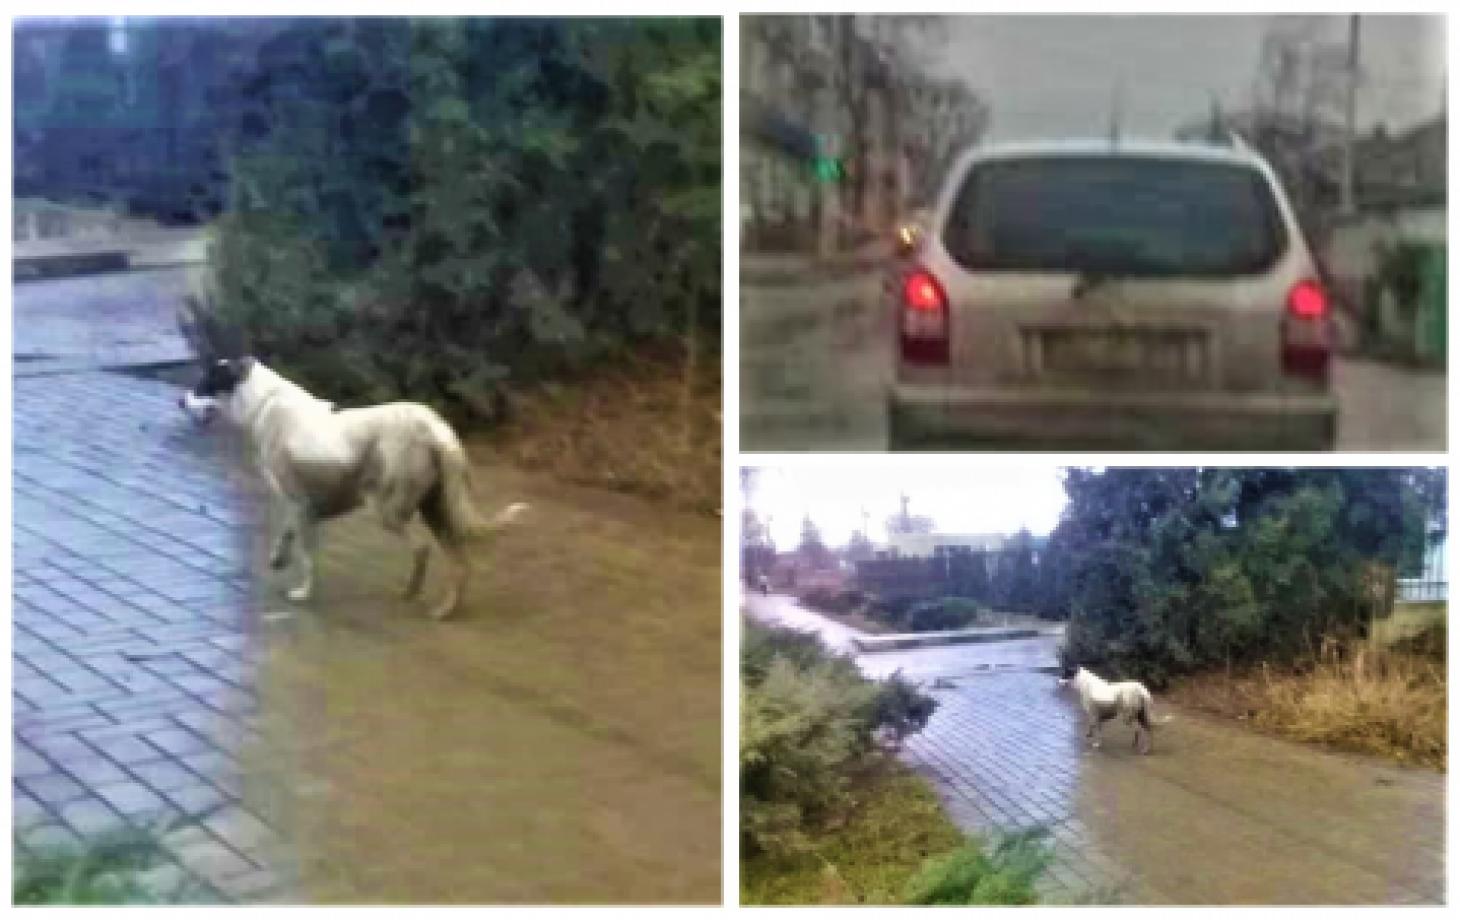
1117 94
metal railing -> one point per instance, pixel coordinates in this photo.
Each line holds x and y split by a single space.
1421 589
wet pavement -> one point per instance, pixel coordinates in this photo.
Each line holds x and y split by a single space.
816 356
133 643
559 742
1389 407
111 320
813 368
1216 815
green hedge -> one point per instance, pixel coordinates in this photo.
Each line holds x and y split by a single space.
445 209
808 720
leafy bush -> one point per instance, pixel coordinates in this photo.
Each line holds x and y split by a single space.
447 209
844 601
808 718
927 615
1165 572
972 874
900 709
799 730
944 613
891 610
761 645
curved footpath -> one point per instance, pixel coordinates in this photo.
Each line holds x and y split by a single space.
1217 815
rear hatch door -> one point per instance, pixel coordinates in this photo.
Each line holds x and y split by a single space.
1114 272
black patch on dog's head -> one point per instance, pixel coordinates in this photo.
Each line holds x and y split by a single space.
223 376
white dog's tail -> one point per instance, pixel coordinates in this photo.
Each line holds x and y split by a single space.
456 506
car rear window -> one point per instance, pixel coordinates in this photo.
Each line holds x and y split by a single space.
1118 215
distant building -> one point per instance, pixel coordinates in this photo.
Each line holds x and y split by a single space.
1406 170
823 88
796 74
1400 192
932 545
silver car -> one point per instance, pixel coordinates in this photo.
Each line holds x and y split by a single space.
1099 295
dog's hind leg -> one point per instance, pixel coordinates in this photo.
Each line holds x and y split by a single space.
420 559
457 585
400 525
434 516
1143 727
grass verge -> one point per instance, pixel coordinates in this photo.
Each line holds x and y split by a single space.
894 846
110 869
1355 696
869 856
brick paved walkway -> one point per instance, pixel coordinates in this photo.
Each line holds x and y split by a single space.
1217 815
114 320
559 742
132 647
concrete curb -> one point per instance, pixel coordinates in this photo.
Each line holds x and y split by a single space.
45 262
772 269
885 643
70 264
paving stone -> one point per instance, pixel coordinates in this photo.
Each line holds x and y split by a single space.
94 771
130 798
197 799
212 860
28 811
258 885
163 775
90 817
240 829
53 788
50 836
179 742
27 762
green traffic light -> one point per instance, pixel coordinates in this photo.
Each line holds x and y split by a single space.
828 169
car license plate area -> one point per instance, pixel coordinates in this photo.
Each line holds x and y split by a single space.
1144 355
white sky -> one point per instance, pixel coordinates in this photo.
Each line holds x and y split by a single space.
977 498
1053 76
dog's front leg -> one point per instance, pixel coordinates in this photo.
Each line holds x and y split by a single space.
283 547
307 530
284 512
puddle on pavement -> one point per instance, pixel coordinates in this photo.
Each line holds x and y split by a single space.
559 742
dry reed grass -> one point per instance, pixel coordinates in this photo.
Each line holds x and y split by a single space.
636 428
1354 695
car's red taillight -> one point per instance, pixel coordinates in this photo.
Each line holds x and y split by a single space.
1307 301
923 319
1307 331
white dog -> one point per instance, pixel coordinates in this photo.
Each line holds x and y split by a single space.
321 463
1103 701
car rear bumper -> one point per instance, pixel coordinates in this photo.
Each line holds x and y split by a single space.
930 416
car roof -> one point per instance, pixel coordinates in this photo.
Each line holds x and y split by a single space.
1104 147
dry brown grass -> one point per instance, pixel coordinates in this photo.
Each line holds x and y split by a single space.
634 428
1353 696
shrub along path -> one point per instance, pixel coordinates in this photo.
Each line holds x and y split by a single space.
1217 815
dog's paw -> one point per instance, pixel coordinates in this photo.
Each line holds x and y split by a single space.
301 594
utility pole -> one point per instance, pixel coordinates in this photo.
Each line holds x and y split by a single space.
1346 181
1117 103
